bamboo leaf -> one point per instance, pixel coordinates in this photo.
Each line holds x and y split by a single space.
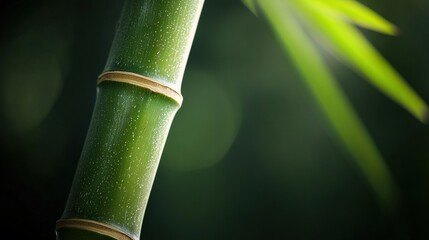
359 14
251 5
326 91
351 46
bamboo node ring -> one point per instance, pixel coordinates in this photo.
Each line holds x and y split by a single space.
141 81
94 226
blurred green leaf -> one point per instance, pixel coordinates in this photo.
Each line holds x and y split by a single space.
251 5
357 13
352 47
284 18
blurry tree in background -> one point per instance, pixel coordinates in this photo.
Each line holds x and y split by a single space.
249 156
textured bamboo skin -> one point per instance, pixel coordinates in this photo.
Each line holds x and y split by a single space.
154 39
130 124
120 156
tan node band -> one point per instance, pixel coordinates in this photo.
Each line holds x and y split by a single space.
94 226
141 81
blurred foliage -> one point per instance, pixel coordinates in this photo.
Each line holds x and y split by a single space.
265 165
328 23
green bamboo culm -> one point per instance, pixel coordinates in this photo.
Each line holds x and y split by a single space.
130 123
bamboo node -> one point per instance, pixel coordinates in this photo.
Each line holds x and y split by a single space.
141 81
94 226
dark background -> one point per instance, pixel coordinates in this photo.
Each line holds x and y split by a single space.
249 156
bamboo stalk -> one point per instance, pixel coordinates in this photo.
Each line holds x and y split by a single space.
137 98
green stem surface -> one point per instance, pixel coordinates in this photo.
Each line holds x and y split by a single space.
130 124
